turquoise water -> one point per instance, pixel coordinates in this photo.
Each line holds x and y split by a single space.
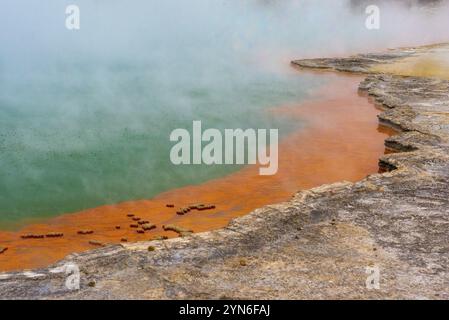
85 115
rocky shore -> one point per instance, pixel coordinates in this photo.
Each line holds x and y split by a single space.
320 244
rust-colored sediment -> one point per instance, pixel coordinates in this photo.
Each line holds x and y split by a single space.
342 141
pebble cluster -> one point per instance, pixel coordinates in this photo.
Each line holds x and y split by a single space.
199 207
138 223
84 232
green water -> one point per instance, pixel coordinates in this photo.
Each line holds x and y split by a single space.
78 143
85 116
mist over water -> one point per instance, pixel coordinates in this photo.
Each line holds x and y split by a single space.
85 115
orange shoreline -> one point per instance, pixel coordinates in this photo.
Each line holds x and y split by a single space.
342 141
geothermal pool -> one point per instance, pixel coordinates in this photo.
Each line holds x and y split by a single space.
85 116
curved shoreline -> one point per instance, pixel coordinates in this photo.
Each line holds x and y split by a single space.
318 245
313 156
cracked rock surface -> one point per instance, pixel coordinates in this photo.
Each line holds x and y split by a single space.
319 245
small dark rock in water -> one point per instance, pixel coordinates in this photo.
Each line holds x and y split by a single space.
96 243
159 238
133 225
91 284
117 227
170 205
148 227
199 207
140 231
179 230
130 215
151 248
3 249
136 219
33 236
143 222
243 262
54 235
183 211
202 207
85 232
124 240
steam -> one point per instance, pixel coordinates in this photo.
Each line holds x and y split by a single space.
33 32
